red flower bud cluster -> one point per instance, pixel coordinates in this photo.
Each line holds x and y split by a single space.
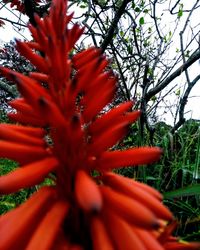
63 101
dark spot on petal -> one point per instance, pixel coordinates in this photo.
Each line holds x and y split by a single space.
42 102
95 211
156 225
75 119
74 82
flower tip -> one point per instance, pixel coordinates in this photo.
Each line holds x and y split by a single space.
8 73
70 16
16 40
156 150
87 192
157 224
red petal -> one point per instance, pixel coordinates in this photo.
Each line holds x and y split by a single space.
22 106
102 99
167 232
84 57
148 240
17 225
148 189
109 118
122 234
91 75
29 131
21 153
126 186
74 34
35 59
97 82
46 233
107 139
39 77
53 114
28 176
30 89
12 135
128 209
100 237
27 119
87 192
39 22
34 45
34 32
130 157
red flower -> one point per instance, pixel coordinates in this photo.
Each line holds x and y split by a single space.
79 211
18 4
2 23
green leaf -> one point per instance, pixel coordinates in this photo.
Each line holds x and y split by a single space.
133 5
141 20
187 54
187 191
142 4
137 9
149 30
153 98
121 33
180 13
129 49
7 204
178 91
137 30
83 6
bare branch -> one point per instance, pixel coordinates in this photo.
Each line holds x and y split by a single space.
193 58
113 26
183 103
13 22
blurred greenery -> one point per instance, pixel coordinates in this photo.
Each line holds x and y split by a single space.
177 174
8 202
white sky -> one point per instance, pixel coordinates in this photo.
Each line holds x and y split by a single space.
9 32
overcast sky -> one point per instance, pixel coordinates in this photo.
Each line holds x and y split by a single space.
9 32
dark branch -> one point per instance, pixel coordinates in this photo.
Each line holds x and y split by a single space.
13 22
193 58
126 93
183 103
113 25
31 8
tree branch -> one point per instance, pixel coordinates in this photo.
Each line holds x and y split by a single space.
193 58
183 103
13 22
113 25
